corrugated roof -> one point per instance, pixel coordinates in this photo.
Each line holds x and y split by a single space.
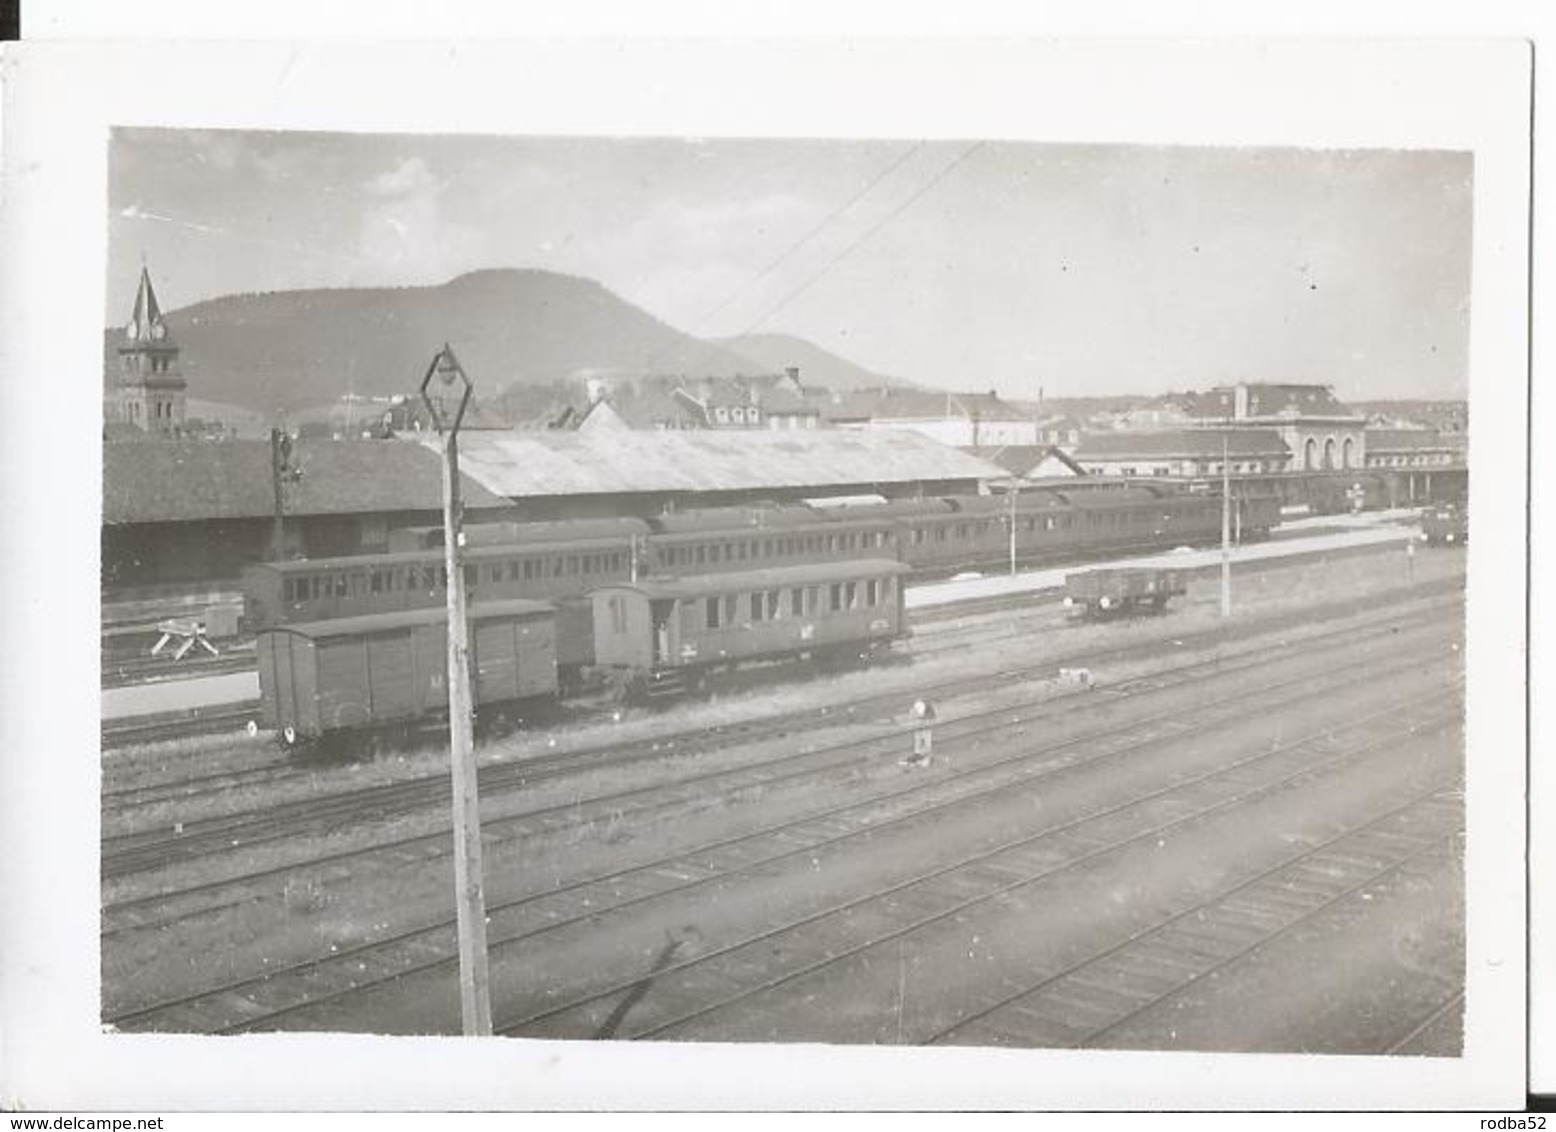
184 481
526 465
1180 442
1406 440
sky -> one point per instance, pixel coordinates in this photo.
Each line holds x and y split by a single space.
969 264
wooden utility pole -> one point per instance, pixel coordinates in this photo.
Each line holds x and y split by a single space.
470 900
1013 495
281 474
1226 528
277 463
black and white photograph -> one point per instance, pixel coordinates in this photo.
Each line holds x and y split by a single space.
957 593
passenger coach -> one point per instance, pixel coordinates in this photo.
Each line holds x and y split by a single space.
661 635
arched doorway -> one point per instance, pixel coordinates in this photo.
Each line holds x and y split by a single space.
1347 455
1329 454
1310 454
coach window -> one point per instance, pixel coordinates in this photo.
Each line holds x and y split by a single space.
872 592
340 585
796 602
702 555
378 581
837 597
772 605
850 595
713 613
757 607
729 609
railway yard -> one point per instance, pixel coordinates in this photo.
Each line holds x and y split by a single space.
1165 831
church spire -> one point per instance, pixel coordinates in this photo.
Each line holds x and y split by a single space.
150 393
146 323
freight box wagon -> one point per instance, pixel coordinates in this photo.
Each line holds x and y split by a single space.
325 678
1112 591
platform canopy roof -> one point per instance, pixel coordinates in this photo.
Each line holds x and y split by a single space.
521 465
165 481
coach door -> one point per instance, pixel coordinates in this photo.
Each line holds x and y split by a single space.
662 617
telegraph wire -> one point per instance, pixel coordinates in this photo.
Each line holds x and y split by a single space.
806 238
846 251
702 319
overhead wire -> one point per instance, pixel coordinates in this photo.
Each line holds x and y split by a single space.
811 281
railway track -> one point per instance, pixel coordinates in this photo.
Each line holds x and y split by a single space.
407 952
217 719
1083 1004
123 671
125 854
845 933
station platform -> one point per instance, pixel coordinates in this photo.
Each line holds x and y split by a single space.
1375 532
179 695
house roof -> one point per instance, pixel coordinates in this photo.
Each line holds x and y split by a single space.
849 405
528 465
1191 443
915 404
1407 440
1267 399
185 481
1020 459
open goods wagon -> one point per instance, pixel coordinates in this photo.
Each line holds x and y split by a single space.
321 679
658 635
1445 525
1108 592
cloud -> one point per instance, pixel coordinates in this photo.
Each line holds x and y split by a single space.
407 232
409 178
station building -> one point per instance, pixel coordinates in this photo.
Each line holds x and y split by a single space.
1183 452
190 515
1321 433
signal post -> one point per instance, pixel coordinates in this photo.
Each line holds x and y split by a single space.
469 898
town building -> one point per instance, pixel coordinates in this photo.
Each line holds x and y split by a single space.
1321 433
1413 448
961 420
1183 452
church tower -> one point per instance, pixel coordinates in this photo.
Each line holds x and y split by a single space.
150 390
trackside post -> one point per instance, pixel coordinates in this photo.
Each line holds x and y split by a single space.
469 899
923 732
